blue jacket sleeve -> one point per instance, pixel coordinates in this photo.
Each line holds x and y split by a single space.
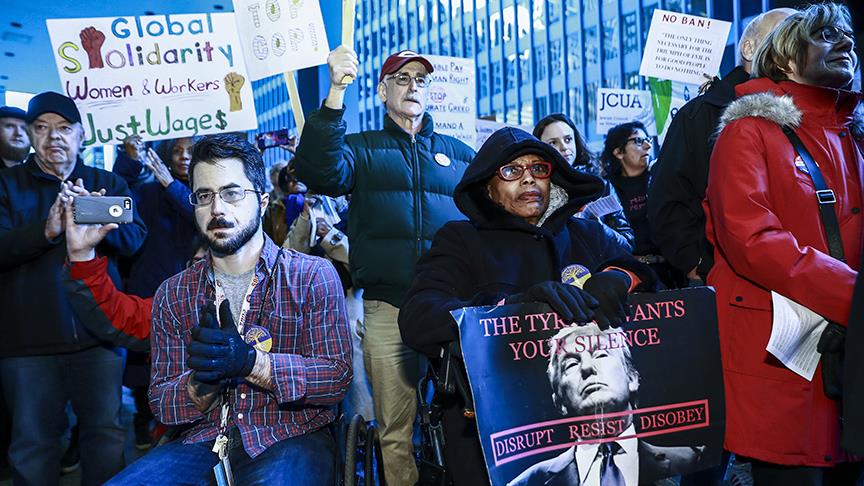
177 195
132 171
324 161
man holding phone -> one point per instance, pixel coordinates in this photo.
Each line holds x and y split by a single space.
46 355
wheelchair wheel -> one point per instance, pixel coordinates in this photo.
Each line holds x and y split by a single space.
373 464
353 441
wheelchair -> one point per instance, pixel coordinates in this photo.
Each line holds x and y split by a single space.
358 460
362 462
441 384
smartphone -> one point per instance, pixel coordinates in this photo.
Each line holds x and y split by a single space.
274 139
102 209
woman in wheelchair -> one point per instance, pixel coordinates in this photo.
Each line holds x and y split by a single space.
520 244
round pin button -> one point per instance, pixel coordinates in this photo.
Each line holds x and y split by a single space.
442 160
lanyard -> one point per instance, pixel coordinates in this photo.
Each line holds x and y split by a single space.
220 447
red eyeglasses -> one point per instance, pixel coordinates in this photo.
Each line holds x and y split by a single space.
539 169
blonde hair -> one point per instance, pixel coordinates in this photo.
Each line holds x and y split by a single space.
789 41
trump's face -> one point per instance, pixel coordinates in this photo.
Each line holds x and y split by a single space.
588 379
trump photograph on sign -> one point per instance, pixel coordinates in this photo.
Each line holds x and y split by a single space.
589 377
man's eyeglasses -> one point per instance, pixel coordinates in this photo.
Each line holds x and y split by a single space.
833 35
538 170
229 195
638 140
404 79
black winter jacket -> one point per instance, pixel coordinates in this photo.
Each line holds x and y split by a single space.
496 254
401 187
680 177
35 315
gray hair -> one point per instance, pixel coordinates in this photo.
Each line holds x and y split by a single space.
790 40
759 28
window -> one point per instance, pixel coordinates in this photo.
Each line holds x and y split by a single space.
631 80
612 82
525 66
540 62
540 107
469 40
558 102
483 81
575 95
610 39
510 62
554 7
591 103
574 52
496 78
631 37
556 55
591 46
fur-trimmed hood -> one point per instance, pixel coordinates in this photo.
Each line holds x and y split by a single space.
780 103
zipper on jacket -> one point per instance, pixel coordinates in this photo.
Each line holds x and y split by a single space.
418 214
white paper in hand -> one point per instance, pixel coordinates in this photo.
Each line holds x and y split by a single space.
795 332
603 206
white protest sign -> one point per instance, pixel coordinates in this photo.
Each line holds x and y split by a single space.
451 100
617 106
683 47
485 128
160 76
280 35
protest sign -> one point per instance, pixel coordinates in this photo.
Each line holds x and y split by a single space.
159 76
452 101
485 128
548 397
280 35
617 106
668 97
683 47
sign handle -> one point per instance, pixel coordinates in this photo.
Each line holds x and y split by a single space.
348 30
294 96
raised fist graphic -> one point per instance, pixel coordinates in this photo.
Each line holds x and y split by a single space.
233 83
92 41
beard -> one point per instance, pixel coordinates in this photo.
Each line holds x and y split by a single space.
14 154
231 245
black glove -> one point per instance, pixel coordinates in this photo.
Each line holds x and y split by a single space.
571 303
610 288
217 354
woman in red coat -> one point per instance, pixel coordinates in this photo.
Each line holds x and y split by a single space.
768 236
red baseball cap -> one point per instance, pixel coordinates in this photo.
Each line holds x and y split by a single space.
401 58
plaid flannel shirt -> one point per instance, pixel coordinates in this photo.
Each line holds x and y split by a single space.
310 358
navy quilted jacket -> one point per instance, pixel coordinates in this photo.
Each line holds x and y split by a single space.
401 187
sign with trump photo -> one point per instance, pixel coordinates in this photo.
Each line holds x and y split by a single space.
575 404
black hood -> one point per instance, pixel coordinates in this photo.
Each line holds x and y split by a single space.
502 147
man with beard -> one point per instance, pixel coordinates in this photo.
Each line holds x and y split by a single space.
14 143
589 379
261 376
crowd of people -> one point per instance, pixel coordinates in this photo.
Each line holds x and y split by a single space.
241 318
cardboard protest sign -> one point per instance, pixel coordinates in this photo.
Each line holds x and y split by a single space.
485 128
554 401
617 106
683 47
280 35
668 97
160 76
452 97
